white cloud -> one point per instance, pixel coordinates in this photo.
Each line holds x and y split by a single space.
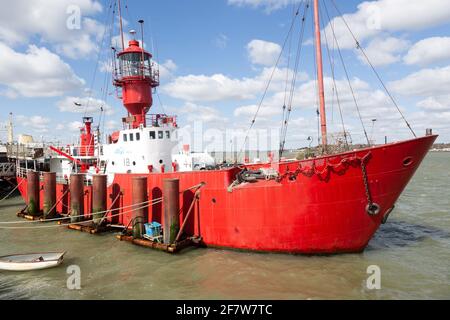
36 73
386 51
219 87
263 52
89 105
372 102
25 19
197 112
435 104
425 82
167 69
74 126
428 51
268 5
221 41
38 124
375 17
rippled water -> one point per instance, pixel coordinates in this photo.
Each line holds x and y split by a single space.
412 250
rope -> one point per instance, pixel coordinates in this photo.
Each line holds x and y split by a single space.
153 201
12 191
358 46
349 82
76 223
270 79
293 82
79 216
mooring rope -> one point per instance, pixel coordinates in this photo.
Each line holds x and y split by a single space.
17 187
77 223
157 200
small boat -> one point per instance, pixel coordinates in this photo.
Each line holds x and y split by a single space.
31 261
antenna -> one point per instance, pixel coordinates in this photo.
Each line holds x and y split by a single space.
141 22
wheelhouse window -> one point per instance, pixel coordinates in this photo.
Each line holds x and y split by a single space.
125 138
160 134
131 137
168 134
152 135
138 136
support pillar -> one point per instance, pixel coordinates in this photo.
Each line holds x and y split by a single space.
140 195
98 197
49 194
171 194
76 197
33 193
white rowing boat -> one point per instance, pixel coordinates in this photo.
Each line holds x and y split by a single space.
31 261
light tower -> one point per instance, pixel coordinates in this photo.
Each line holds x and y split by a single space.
10 129
136 78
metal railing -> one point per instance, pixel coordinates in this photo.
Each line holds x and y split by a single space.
60 178
7 169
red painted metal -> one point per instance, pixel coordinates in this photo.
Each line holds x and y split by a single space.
99 197
171 194
83 166
49 194
87 138
33 189
321 210
140 212
136 80
323 115
77 201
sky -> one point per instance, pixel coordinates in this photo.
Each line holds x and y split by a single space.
215 59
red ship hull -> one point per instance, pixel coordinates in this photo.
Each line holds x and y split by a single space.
319 206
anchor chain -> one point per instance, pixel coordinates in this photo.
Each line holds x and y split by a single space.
372 208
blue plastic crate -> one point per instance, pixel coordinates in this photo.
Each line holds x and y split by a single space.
152 229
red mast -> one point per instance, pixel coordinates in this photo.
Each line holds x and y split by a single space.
323 116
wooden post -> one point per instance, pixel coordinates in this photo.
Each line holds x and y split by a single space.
171 194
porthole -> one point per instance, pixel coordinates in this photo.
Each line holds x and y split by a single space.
407 161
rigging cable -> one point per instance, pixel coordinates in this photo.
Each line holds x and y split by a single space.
348 80
358 46
97 62
287 70
294 80
270 79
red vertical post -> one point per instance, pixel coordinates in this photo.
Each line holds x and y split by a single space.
323 116
171 194
33 193
49 194
140 214
76 197
99 197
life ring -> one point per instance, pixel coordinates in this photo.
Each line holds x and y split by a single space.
373 209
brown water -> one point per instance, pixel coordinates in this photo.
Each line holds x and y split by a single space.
412 250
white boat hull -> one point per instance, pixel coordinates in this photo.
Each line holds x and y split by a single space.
32 261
